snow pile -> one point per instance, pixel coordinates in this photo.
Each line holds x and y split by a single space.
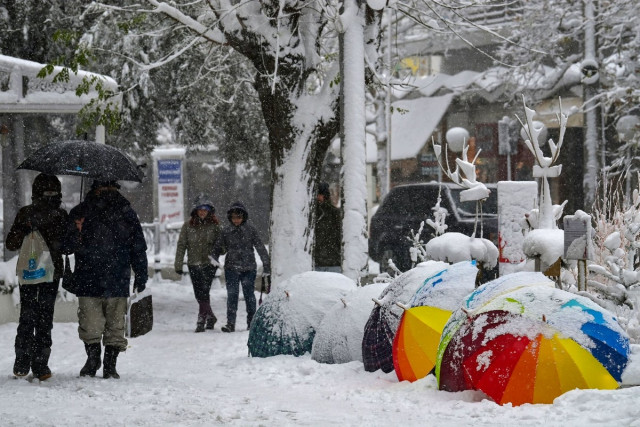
456 247
293 310
546 244
339 336
172 376
448 288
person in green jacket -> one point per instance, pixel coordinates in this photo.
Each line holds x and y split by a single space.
197 238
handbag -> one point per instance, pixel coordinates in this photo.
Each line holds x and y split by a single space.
139 315
34 260
68 282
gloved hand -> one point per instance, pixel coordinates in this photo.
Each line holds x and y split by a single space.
179 271
139 285
214 261
38 219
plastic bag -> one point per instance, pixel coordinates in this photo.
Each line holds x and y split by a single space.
34 261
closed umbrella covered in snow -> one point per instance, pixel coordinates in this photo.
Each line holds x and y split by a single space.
377 342
287 320
415 345
339 337
531 345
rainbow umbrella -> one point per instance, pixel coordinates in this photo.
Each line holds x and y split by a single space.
531 345
416 341
380 329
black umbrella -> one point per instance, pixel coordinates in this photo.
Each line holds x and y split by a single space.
87 159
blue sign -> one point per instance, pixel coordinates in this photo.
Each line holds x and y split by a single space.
169 171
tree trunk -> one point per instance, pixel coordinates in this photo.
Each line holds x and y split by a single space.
298 142
354 239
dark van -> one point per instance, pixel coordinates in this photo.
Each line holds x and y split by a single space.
406 206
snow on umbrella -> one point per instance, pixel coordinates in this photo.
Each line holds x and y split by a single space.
533 344
416 341
381 327
339 337
287 320
87 159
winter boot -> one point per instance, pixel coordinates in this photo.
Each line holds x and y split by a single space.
110 358
22 365
228 328
93 363
200 326
40 364
211 321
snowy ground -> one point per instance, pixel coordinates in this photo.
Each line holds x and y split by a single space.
173 376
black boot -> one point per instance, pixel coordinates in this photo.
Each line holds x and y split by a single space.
200 325
110 359
22 365
93 363
40 364
228 328
211 321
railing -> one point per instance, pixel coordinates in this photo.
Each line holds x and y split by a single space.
162 240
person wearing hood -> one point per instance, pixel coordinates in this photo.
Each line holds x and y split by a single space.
37 301
239 241
197 237
106 237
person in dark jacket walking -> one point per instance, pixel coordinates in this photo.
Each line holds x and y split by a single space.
106 237
240 268
37 301
327 246
197 237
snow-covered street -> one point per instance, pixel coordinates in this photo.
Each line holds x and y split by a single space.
173 376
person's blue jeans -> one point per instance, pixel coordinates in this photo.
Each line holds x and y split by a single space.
235 279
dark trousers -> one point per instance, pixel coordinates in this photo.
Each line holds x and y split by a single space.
36 319
201 278
235 279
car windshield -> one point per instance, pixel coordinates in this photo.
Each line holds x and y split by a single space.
489 206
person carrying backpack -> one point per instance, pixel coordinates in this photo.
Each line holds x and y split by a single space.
37 300
240 268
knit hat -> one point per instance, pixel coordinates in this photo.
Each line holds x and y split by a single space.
46 183
99 183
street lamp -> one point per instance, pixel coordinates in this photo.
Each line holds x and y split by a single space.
627 126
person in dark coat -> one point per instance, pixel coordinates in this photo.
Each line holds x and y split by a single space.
327 248
106 237
240 268
197 237
37 301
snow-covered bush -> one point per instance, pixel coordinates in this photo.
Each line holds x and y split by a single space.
617 232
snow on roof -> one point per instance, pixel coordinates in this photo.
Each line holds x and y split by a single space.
42 93
413 122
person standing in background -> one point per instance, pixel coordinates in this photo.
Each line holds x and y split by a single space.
327 248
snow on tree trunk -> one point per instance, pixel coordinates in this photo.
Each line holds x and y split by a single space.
591 109
354 239
290 211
